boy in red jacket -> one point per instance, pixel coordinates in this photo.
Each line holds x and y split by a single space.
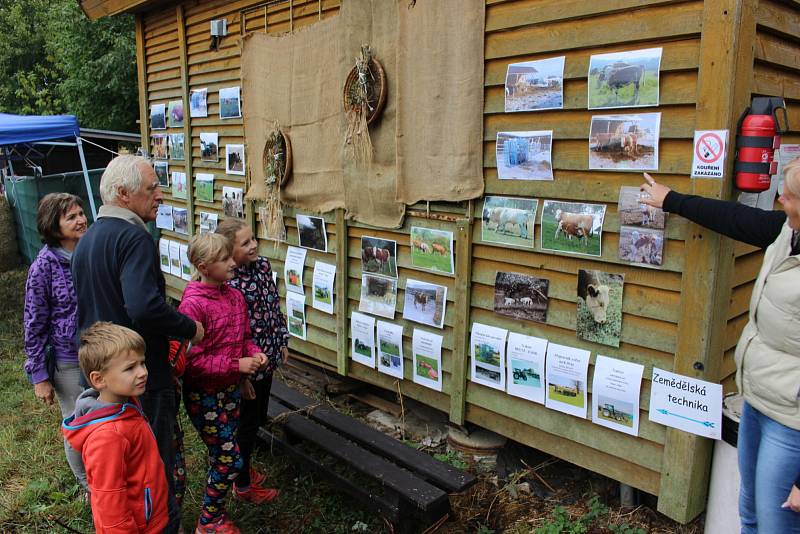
125 473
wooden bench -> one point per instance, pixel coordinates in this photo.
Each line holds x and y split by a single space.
410 487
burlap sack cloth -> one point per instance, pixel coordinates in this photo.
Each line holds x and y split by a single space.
440 100
292 78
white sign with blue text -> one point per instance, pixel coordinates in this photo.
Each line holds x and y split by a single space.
686 403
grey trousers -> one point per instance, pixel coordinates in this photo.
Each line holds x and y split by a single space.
66 382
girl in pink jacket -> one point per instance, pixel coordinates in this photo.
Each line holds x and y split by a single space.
214 370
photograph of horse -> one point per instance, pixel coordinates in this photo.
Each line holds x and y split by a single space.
379 256
624 79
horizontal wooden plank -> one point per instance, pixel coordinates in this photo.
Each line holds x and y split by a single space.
733 329
740 300
777 51
779 18
633 27
769 80
439 400
746 268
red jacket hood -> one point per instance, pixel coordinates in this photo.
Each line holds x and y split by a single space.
91 412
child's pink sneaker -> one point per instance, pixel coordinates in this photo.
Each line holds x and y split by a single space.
255 494
257 478
223 525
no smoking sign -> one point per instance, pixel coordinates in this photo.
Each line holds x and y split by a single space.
709 153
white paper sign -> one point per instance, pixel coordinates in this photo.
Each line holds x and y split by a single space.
322 286
296 314
488 354
686 403
427 349
390 349
362 342
163 252
526 366
186 266
567 368
164 217
174 258
708 159
615 394
293 269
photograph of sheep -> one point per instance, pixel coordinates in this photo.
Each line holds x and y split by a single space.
509 221
521 296
378 295
624 142
524 155
640 245
632 211
159 144
535 85
424 303
311 232
572 227
624 79
600 307
432 249
175 113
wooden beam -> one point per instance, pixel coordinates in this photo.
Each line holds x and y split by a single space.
187 119
723 91
141 75
342 345
461 328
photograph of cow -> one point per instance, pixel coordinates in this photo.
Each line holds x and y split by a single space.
425 303
379 256
509 221
535 85
432 249
234 159
624 142
524 155
633 211
572 227
378 295
311 232
624 79
641 245
209 146
521 296
600 307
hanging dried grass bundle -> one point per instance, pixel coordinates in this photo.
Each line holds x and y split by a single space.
364 95
277 165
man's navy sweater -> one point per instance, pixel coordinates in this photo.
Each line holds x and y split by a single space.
118 278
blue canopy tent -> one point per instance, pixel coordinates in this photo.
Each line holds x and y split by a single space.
33 130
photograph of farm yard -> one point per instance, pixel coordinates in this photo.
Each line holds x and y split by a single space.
524 155
600 307
378 295
615 411
521 296
632 211
526 373
566 227
379 256
624 79
565 390
624 142
432 249
535 85
509 221
424 303
641 245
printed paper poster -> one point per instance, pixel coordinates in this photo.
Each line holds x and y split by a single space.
616 388
599 306
624 79
293 269
379 256
378 295
488 355
573 227
229 103
198 103
163 253
180 219
708 159
624 142
686 403
427 349
174 258
164 217
322 285
208 222
424 303
509 221
362 342
234 159
535 85
432 249
311 232
567 369
524 155
296 314
526 366
233 202
390 349
179 184
186 266
204 184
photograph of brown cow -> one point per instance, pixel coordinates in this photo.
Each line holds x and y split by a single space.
425 303
624 79
573 227
624 142
641 245
379 256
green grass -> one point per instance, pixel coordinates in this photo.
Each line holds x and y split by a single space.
431 260
576 401
575 245
495 236
390 348
607 333
205 191
422 370
37 488
603 97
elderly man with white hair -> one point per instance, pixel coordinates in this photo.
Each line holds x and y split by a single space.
768 353
118 278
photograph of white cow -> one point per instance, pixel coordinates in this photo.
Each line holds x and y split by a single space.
624 142
524 155
509 221
572 227
600 307
641 245
535 85
425 303
521 296
624 79
632 211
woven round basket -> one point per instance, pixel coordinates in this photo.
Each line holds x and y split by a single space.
376 88
287 169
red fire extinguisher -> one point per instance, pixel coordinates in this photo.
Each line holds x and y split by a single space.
757 140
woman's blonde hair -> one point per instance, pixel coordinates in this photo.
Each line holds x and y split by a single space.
791 176
208 248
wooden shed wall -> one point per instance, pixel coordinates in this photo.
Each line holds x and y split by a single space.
670 314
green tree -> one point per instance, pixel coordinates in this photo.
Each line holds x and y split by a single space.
55 60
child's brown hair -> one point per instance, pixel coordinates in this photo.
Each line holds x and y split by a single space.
102 342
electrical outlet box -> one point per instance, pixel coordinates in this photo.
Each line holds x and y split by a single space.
219 28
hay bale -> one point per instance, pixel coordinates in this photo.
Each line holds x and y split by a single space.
9 251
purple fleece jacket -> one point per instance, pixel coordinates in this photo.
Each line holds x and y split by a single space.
51 313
